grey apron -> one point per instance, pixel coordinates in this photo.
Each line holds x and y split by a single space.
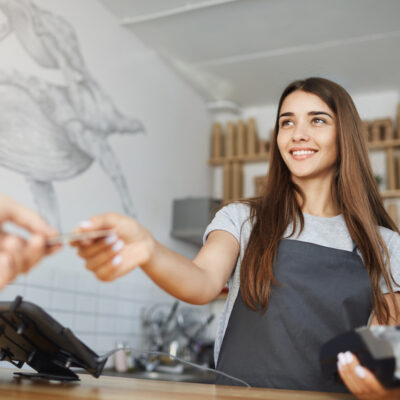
323 292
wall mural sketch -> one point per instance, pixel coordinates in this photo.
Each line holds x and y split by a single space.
51 132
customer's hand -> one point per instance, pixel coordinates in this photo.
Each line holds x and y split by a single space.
128 246
17 254
362 382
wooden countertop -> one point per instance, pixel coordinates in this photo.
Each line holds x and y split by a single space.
117 388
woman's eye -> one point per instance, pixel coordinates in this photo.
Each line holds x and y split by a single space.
318 121
286 122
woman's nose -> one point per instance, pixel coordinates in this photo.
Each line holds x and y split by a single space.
299 133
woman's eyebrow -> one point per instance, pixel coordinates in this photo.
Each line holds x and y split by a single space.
320 112
290 114
286 114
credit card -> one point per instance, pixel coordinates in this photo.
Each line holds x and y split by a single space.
76 236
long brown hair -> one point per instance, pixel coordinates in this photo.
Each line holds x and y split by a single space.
357 196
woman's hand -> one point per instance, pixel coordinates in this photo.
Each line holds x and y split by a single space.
361 382
18 255
127 246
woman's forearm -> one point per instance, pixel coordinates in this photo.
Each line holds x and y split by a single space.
180 277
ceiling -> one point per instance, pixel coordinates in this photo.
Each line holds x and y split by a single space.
247 51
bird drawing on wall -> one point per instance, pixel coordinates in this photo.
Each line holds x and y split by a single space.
51 132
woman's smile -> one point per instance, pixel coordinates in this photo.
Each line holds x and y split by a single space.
300 154
307 137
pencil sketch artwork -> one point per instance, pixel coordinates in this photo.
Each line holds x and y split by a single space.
51 132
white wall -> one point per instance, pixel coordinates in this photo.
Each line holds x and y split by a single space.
169 162
370 106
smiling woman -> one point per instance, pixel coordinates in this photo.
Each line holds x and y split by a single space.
307 138
315 255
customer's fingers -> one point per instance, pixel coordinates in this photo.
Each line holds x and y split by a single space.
13 245
22 253
6 267
12 211
53 248
34 250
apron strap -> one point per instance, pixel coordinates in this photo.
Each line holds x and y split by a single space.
355 248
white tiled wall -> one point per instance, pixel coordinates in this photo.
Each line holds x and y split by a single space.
100 314
158 167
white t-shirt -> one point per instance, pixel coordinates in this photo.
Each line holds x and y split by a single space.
328 232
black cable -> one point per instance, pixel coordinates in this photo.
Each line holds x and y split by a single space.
161 353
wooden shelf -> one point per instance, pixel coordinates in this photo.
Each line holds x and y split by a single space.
239 143
383 144
391 194
262 157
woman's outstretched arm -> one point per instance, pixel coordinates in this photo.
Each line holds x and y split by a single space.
130 245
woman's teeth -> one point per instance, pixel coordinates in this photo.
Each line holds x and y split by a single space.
302 152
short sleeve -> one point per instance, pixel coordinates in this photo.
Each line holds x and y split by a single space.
393 245
230 219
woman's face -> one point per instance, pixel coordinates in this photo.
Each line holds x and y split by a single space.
307 136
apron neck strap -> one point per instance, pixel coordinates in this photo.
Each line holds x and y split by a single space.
355 248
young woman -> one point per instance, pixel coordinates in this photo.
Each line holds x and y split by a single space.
312 257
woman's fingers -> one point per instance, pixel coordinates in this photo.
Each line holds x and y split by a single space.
114 269
125 227
346 365
88 250
100 258
128 246
106 221
116 260
359 380
120 264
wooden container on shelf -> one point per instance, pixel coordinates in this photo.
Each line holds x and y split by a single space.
241 145
393 212
217 137
241 138
227 192
259 182
397 169
398 120
375 129
237 180
388 127
262 146
251 137
381 130
230 139
366 131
